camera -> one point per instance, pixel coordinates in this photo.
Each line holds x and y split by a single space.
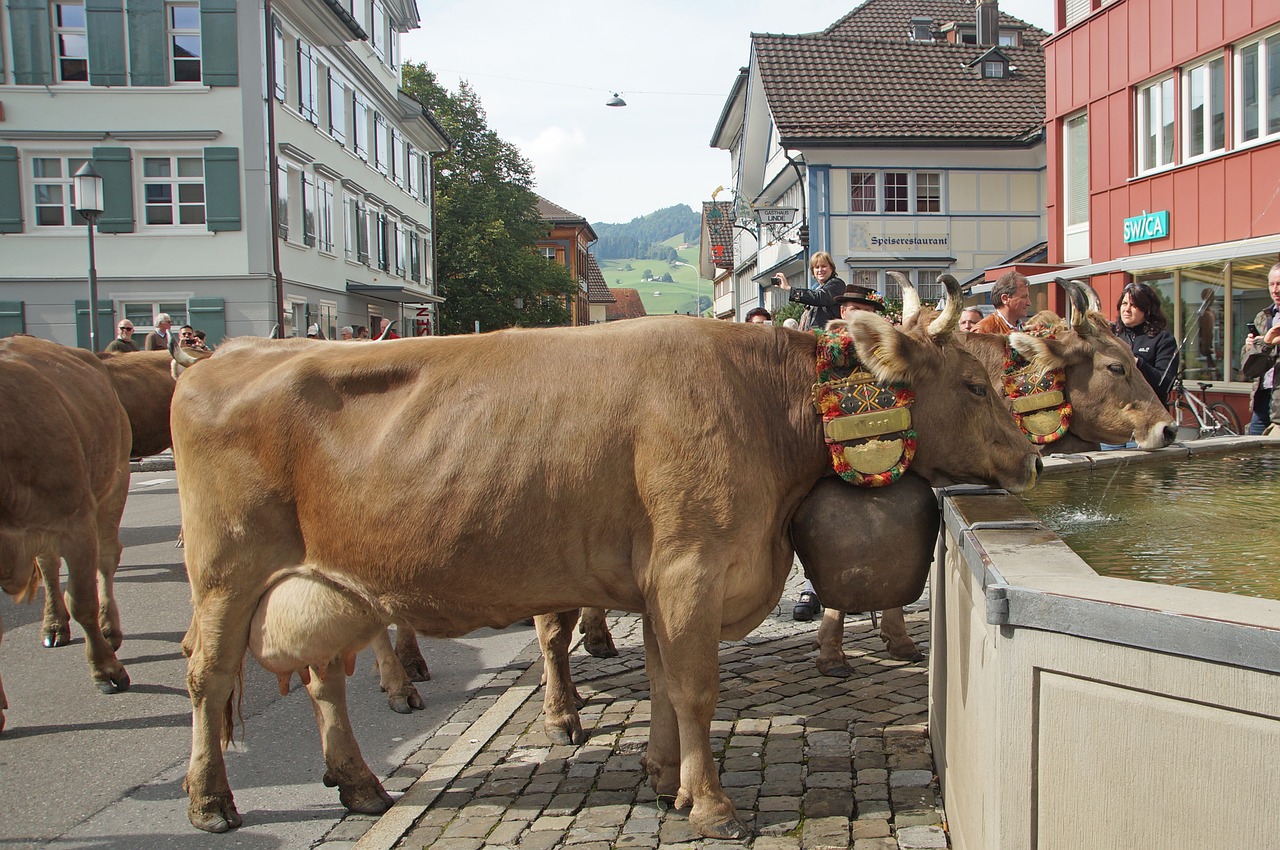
188 342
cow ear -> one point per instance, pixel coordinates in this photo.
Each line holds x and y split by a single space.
1045 352
882 348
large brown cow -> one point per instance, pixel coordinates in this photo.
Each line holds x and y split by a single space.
459 482
64 440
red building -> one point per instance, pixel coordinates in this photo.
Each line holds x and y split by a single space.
1163 131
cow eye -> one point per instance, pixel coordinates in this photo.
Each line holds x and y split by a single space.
978 389
1115 369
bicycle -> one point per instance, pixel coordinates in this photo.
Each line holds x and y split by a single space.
1207 419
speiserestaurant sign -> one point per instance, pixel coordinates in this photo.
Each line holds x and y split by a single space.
1147 226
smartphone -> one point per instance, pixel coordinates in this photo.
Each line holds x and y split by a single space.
1251 328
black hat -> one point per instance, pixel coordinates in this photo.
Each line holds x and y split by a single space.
861 295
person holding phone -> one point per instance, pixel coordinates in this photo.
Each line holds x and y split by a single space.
1259 358
820 303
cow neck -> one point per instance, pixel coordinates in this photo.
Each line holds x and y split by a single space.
866 422
1037 396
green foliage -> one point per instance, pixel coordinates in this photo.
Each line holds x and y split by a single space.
641 237
486 221
790 310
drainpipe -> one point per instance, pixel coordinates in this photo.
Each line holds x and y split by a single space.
804 212
273 164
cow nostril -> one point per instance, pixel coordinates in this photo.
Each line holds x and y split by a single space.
1039 466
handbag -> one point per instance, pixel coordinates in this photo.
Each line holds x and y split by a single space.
806 319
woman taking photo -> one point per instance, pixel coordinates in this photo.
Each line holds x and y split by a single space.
821 302
1143 326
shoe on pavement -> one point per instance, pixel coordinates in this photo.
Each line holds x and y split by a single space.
807 607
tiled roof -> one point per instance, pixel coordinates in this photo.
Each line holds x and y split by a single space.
718 216
556 213
864 80
627 305
891 19
597 290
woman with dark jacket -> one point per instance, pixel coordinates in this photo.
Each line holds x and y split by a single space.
1143 326
822 301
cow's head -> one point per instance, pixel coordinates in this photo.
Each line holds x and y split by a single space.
1111 399
965 433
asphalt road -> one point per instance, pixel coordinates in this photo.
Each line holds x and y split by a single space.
82 770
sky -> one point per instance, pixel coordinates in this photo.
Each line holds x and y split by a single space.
543 72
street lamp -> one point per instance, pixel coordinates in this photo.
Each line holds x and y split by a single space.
87 186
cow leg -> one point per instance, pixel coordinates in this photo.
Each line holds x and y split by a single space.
358 789
831 659
82 602
893 631
55 629
410 654
595 631
4 703
686 639
560 699
402 696
215 664
661 760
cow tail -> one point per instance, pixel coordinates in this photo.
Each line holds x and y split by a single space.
233 713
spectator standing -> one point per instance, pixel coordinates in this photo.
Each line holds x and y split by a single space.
124 338
1142 325
969 319
361 332
759 316
346 333
1261 354
820 303
385 331
158 339
1011 296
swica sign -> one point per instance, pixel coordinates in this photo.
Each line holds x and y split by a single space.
1140 228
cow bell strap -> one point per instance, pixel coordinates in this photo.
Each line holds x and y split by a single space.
1037 398
866 423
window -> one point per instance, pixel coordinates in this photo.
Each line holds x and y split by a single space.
142 314
1204 108
361 215
1155 125
337 109
402 250
353 213
862 191
360 126
381 139
282 201
895 192
1258 89
397 167
52 190
415 257
378 31
928 191
308 84
1009 38
1075 189
184 42
993 69
308 209
279 63
324 215
381 240
329 320
548 252
173 189
413 183
70 42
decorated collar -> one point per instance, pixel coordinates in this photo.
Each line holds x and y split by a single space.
866 423
1036 397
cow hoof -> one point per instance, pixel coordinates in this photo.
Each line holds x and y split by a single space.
57 637
566 733
366 798
730 829
601 649
914 655
837 669
417 672
406 703
214 814
113 683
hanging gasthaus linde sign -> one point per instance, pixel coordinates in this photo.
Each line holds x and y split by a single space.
776 215
1140 228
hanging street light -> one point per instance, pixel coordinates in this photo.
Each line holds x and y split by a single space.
87 186
616 100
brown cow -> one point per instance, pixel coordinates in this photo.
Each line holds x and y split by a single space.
458 482
63 485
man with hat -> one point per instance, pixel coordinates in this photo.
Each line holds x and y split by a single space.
859 299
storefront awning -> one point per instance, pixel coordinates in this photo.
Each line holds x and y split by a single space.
399 294
1199 255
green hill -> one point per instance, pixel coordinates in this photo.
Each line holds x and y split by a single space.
670 286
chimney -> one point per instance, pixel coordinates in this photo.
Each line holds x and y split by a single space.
988 22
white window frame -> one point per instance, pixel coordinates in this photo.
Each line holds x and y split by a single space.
308 83
1267 48
74 38
1200 75
912 196
281 63
859 179
282 199
1075 227
309 208
172 33
133 309
183 188
337 109
328 319
360 125
1153 100
324 215
67 165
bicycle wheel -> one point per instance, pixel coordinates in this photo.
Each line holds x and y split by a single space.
1185 418
1224 418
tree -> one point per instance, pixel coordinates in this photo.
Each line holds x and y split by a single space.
486 221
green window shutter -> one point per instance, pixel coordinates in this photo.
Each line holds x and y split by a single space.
31 42
10 191
13 318
220 59
208 315
116 167
106 323
148 47
222 188
104 19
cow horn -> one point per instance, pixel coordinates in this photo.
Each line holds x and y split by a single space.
275 331
1095 301
949 318
182 356
387 329
910 298
1079 301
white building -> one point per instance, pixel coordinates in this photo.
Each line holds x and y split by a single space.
170 101
904 141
